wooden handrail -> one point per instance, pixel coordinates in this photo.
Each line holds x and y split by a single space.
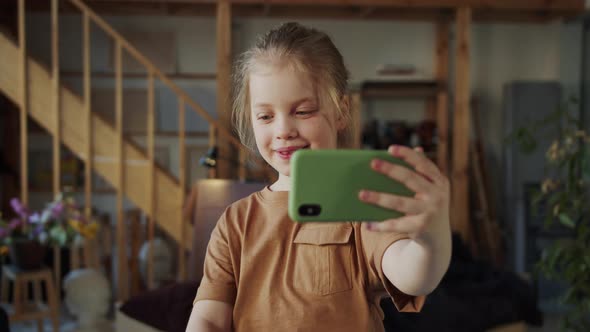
157 73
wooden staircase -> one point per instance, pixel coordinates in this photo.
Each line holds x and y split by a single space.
67 117
73 136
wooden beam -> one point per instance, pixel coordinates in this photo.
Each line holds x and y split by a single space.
488 10
461 130
474 4
224 169
365 12
442 96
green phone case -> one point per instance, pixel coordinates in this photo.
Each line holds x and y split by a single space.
326 183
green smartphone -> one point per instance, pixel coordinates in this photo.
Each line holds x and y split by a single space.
326 183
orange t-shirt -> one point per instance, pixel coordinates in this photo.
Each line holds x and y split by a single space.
284 276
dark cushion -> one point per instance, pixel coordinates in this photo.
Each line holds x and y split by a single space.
167 308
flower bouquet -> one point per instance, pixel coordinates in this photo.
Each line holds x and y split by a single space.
27 235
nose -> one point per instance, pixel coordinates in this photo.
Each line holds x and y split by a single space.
285 128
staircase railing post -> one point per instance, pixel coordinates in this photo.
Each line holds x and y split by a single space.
122 278
151 178
182 180
24 103
56 96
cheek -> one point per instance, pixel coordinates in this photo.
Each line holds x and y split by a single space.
324 132
260 135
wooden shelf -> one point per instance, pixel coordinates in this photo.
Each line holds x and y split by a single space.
400 89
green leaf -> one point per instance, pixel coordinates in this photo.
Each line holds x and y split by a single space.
58 235
566 221
524 139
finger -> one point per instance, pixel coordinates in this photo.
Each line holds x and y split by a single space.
405 205
418 161
419 149
413 180
407 224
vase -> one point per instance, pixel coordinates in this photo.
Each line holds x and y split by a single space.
27 254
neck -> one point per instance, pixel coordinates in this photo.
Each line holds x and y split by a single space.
282 184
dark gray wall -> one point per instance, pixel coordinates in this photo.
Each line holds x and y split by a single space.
586 74
525 102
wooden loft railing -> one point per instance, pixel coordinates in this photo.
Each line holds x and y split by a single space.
120 182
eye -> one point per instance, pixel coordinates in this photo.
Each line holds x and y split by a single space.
305 112
264 117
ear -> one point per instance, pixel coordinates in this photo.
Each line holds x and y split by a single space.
345 107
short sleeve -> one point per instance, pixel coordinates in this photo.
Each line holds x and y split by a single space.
374 245
218 281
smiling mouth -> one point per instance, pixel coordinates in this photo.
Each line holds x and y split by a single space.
287 153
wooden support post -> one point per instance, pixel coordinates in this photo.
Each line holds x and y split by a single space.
442 97
151 179
56 97
182 198
87 111
90 254
461 130
24 104
122 279
224 167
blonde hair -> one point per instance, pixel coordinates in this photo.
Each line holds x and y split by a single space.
309 51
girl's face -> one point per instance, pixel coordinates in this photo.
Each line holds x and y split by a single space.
286 116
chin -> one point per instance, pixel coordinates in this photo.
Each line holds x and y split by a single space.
286 171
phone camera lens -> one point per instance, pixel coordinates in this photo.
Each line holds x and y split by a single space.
309 210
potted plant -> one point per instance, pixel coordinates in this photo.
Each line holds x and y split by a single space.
28 234
564 199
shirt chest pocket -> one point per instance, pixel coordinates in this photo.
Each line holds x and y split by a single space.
323 259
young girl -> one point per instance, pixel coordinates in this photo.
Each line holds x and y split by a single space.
264 272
